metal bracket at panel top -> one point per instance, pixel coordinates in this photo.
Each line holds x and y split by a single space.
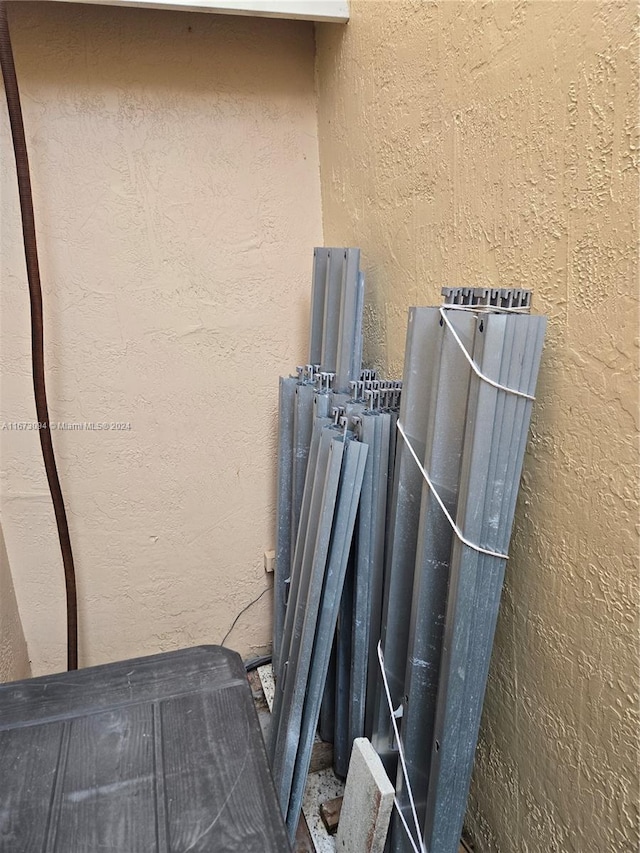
488 297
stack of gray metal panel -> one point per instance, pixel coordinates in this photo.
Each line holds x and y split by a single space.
335 355
332 491
374 410
491 467
324 546
463 428
321 466
394 515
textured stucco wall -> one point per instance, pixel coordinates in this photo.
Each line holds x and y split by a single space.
175 169
14 661
497 143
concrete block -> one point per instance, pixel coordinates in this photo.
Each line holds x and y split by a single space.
367 803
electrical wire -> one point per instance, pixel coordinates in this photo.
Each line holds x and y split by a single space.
256 663
37 334
243 611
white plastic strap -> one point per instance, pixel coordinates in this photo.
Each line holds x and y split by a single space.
419 846
405 825
488 309
475 367
454 526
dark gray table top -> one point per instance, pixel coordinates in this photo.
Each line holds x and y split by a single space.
160 754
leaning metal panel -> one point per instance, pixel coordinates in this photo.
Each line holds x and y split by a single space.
319 423
373 428
327 722
318 456
350 485
335 704
302 428
286 403
484 419
422 336
444 445
332 305
348 328
318 289
377 567
356 363
344 632
302 614
491 473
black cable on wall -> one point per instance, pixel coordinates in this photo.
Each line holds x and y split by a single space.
37 334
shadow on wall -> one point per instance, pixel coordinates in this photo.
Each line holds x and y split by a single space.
14 660
176 188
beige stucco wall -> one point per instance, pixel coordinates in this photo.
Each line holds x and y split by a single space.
496 143
14 660
175 169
